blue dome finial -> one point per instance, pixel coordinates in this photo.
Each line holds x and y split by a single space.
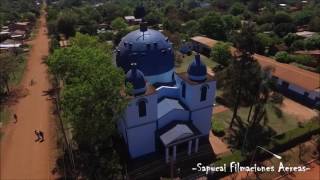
197 58
143 26
136 78
197 71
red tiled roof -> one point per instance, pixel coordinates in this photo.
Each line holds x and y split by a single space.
311 52
205 41
290 73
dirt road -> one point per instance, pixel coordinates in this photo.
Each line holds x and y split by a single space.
21 157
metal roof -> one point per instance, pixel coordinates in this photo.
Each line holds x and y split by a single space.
167 105
287 72
178 132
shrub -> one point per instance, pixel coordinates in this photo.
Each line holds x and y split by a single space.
304 60
283 57
276 98
221 53
218 128
295 136
312 42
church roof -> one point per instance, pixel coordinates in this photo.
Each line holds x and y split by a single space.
150 49
178 132
197 70
167 105
136 78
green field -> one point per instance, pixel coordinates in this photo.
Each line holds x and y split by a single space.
278 124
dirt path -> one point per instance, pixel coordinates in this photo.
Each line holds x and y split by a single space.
219 108
312 174
217 145
22 157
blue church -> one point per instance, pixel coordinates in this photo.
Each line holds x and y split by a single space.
167 110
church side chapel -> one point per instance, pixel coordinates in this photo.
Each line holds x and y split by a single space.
168 110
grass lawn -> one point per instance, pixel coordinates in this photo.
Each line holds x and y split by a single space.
183 67
278 124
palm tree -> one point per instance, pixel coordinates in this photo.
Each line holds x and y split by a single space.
261 98
245 43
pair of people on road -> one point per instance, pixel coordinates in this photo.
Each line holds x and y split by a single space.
40 136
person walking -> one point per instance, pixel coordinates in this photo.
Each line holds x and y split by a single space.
15 117
41 134
36 132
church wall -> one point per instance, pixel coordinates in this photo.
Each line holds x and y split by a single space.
193 94
163 78
122 129
202 119
132 111
141 140
176 114
167 91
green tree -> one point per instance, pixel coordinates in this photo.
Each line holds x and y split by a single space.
312 42
153 18
290 38
283 29
258 109
282 17
315 24
91 103
237 87
66 23
119 24
221 53
172 25
283 56
302 17
8 64
237 8
191 27
231 22
139 12
29 16
264 42
212 26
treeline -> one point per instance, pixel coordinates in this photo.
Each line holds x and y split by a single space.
91 104
8 63
181 20
18 10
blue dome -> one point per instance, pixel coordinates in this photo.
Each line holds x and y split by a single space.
150 49
197 71
136 78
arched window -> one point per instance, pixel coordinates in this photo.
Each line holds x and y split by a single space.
183 87
204 90
142 108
